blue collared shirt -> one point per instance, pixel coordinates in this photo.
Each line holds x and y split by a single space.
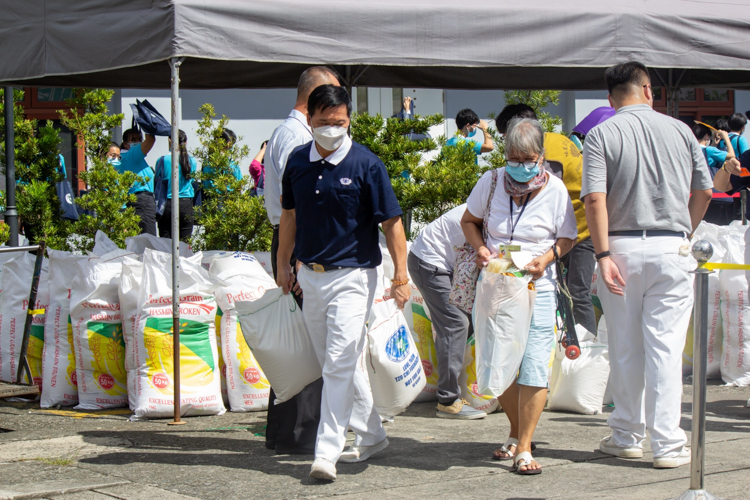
339 202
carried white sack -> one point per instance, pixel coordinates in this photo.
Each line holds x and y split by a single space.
578 385
735 360
246 384
503 308
275 331
393 363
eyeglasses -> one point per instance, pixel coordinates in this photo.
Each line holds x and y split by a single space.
525 164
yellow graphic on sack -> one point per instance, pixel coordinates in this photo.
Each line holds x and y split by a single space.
107 347
71 370
425 343
249 369
34 353
471 374
196 355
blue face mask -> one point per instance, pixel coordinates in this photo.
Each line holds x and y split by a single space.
114 162
522 171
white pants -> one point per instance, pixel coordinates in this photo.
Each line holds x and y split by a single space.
646 332
337 305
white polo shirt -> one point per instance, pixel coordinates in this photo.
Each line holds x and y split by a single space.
436 243
292 133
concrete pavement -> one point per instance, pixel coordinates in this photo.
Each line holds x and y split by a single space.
64 454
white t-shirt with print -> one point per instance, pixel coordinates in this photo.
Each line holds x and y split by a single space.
547 217
436 243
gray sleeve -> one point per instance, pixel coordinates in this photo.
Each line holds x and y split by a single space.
701 178
594 177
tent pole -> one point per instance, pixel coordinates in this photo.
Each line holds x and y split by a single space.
11 216
174 64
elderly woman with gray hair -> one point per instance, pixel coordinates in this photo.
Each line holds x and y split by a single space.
530 208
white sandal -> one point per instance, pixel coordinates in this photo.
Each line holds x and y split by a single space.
506 449
524 459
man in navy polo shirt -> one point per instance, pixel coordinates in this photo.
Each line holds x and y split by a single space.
334 194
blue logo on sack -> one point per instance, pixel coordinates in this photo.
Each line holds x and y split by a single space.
398 345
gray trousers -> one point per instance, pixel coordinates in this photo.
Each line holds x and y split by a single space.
580 262
451 325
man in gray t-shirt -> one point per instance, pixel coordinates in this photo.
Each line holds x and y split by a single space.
646 187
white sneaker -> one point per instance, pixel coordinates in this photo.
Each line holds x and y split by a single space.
607 446
323 469
672 462
361 453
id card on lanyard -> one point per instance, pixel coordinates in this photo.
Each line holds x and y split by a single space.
503 251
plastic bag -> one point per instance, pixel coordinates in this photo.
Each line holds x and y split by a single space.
138 245
502 314
96 321
393 364
59 378
151 368
735 362
578 386
275 331
246 384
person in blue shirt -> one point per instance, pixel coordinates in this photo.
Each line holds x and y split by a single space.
133 159
736 125
229 139
186 193
334 194
723 209
469 125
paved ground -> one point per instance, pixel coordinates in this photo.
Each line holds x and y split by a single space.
80 456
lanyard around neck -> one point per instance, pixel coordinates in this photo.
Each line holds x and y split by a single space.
512 224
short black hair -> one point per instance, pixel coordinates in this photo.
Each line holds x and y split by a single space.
629 74
466 117
700 131
722 124
328 96
131 132
512 111
737 121
229 137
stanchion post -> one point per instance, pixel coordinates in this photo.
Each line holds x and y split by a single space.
702 251
174 65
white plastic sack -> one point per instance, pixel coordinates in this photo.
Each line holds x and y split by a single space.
468 382
503 308
393 363
275 331
138 245
14 306
103 245
264 258
735 362
151 383
247 386
59 378
98 342
578 386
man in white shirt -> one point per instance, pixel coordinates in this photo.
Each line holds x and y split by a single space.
292 133
292 426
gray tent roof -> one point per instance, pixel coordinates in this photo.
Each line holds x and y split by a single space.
532 44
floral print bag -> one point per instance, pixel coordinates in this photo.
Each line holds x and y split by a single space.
465 270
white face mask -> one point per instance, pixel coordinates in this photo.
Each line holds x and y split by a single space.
329 137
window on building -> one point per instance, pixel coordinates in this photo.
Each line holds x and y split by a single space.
706 105
361 99
398 100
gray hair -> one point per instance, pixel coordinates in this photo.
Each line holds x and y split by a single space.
525 136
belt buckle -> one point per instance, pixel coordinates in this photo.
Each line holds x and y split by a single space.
318 268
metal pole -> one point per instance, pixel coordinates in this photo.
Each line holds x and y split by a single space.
23 364
11 216
702 251
174 64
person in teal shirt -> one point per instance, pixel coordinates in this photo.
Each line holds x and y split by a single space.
469 125
723 209
186 192
133 159
229 138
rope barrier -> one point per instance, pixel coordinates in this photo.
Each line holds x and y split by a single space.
728 267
